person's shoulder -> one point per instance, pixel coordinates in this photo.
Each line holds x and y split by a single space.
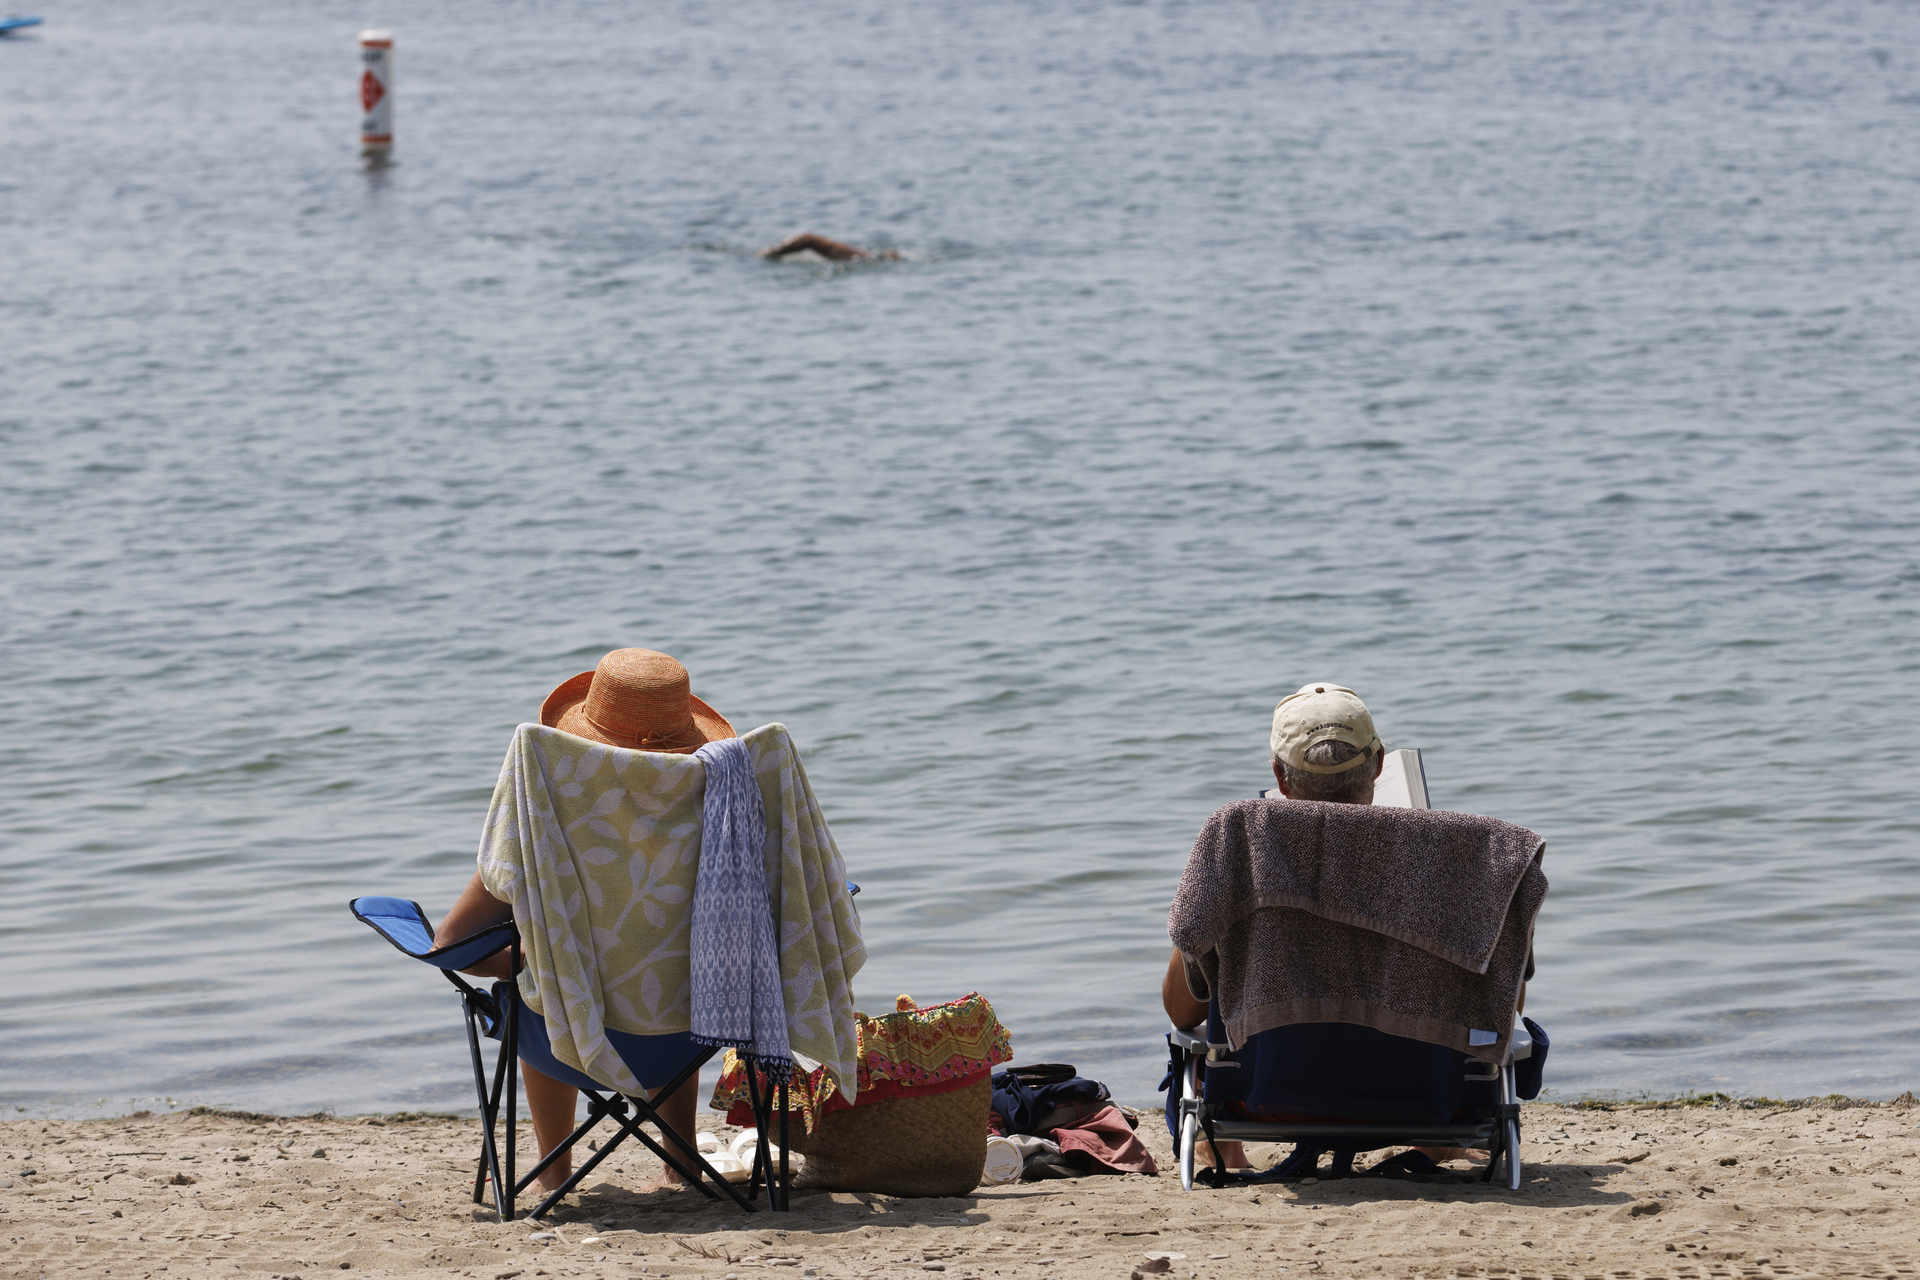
1240 811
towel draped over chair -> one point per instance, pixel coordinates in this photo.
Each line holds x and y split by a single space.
599 849
1414 922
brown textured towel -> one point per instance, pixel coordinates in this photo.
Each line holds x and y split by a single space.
1415 922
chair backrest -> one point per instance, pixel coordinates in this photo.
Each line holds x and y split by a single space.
1341 1071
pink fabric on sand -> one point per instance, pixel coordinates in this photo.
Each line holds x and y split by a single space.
1106 1136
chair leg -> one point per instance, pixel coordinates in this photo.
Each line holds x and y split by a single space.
598 1109
629 1126
698 1175
786 1176
1187 1107
1513 1155
510 1050
780 1185
694 1169
1189 1140
489 1110
763 1128
1510 1125
706 1172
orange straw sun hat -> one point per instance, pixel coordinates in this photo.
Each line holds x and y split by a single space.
637 699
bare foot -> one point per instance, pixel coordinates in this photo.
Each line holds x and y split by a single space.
1440 1155
555 1176
1230 1156
665 1180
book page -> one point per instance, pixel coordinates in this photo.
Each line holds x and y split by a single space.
1403 781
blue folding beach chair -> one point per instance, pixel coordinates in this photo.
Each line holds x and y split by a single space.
660 1063
1334 1086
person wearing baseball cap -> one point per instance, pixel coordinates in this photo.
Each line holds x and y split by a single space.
1324 745
1324 748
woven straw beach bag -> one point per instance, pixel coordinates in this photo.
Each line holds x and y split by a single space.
934 1145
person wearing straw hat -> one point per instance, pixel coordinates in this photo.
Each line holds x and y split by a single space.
640 700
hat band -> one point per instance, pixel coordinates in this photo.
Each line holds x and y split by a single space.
647 741
1366 754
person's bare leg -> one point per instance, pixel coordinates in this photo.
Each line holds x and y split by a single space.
1225 1155
552 1105
678 1111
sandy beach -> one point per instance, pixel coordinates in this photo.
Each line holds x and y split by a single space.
1823 1188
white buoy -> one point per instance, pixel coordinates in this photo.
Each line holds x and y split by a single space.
376 92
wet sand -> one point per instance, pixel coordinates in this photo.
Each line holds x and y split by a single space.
1807 1189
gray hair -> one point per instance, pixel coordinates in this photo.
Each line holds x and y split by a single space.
1354 786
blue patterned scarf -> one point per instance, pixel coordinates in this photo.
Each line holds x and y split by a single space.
735 960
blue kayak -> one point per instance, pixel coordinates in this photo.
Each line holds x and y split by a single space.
14 24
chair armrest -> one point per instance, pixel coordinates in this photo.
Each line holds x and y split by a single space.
1194 1040
405 925
1521 1046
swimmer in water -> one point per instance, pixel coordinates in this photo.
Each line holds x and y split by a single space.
831 250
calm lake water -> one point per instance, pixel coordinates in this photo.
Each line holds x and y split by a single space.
1544 371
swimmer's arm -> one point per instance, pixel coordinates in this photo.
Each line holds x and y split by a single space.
832 250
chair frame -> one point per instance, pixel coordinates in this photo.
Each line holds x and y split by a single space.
1498 1134
483 1012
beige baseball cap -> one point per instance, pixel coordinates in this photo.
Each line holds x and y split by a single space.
1322 712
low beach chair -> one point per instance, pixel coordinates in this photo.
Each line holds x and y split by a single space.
1345 1087
661 1063
1330 1086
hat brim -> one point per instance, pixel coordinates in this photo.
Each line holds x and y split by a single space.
565 710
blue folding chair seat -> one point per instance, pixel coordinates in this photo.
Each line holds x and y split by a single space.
1340 1072
654 1060
659 1063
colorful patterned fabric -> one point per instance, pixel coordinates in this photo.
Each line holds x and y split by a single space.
911 1052
597 850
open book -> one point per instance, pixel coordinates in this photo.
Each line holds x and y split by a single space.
1402 782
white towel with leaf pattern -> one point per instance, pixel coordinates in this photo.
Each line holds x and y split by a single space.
597 850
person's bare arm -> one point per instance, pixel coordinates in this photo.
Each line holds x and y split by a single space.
476 910
1181 1007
